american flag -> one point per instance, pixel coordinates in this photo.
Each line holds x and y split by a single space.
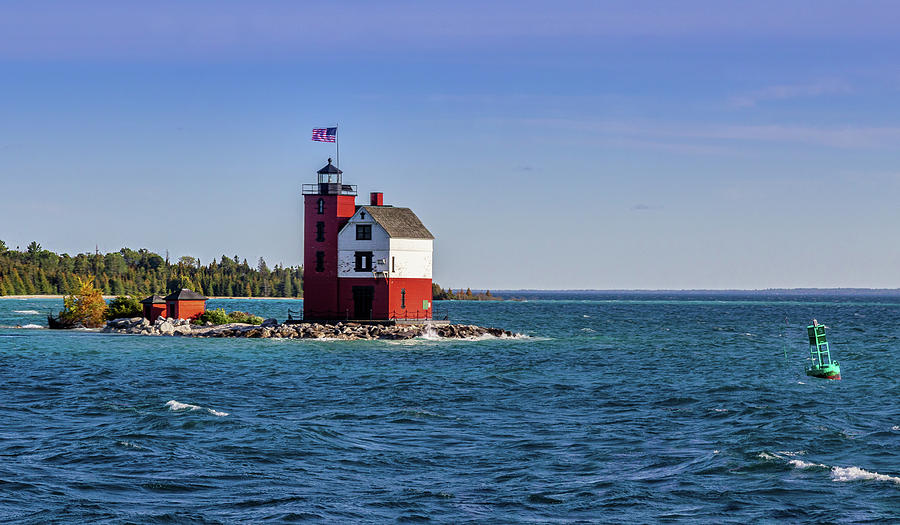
324 134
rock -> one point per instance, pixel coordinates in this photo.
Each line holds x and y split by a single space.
269 322
184 329
145 322
166 328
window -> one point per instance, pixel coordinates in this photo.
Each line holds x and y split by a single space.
363 232
320 231
320 261
362 215
363 261
403 298
321 209
393 264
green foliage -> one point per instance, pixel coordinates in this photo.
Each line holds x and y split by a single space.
124 306
439 294
244 317
218 316
140 273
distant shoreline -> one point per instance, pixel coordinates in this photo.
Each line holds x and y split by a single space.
113 297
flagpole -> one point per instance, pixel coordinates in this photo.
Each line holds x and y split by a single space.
337 145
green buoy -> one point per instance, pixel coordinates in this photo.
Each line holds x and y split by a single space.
822 365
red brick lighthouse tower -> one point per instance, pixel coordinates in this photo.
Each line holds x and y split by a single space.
328 205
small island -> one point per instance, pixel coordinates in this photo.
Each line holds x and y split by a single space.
272 329
183 313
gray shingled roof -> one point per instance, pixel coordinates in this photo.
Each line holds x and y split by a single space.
400 223
185 295
154 299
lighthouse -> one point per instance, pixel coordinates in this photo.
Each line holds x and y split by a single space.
362 262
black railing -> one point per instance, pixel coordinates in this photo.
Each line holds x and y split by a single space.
329 188
349 315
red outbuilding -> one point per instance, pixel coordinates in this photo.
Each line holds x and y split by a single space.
154 306
185 304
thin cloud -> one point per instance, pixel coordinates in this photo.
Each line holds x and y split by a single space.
680 135
783 92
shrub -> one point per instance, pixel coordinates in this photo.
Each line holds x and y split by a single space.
86 306
244 317
218 316
124 306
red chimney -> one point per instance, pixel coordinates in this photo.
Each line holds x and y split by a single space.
376 198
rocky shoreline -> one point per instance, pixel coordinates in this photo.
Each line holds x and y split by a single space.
271 329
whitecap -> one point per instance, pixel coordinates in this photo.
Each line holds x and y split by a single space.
28 312
32 326
430 334
895 427
720 410
856 473
799 463
176 406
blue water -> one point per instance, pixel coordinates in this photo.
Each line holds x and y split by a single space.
616 408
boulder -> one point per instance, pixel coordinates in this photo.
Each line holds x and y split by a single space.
166 328
184 329
269 322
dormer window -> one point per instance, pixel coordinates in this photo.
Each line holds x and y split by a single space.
362 215
363 232
321 208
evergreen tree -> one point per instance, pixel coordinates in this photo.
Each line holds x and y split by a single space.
43 284
288 288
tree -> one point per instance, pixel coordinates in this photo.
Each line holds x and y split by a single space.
86 306
3 247
43 284
288 289
123 306
188 261
33 250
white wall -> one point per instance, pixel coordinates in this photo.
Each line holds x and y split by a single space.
412 258
348 246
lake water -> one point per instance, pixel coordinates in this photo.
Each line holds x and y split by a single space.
615 408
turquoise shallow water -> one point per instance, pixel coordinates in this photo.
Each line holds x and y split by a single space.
615 408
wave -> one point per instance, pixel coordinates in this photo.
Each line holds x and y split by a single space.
29 312
33 326
430 334
855 473
839 474
176 406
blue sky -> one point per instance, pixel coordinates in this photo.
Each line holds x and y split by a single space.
559 144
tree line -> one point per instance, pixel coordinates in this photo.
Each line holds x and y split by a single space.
37 271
